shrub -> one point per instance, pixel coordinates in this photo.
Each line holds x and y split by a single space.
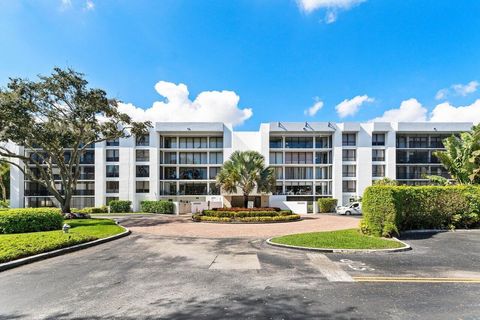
30 220
90 210
244 214
326 205
387 210
235 209
247 219
120 206
160 206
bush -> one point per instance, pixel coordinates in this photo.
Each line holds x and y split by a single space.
244 214
90 210
236 209
160 206
326 205
120 206
387 210
30 220
247 219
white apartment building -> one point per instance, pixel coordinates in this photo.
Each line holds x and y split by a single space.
179 162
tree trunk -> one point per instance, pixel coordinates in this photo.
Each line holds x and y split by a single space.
65 204
4 189
245 200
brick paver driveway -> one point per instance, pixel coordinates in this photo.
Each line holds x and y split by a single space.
185 227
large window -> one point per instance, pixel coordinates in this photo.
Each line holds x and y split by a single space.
298 173
87 173
142 155
112 155
349 139
170 173
279 173
213 171
142 186
193 158
216 142
170 142
298 158
276 158
323 173
299 142
193 173
193 142
193 188
349 170
142 171
323 142
349 155
112 171
169 188
298 188
275 142
142 141
323 157
378 155
113 142
378 171
88 157
216 157
170 158
112 186
418 142
349 186
323 188
378 139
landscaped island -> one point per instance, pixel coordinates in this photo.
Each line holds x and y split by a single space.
246 215
27 232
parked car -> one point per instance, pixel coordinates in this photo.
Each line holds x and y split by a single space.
352 208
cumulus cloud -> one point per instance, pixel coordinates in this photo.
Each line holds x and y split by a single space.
331 7
221 106
409 110
351 107
458 90
445 112
314 108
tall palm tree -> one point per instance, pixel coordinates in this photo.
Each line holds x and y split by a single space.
245 171
460 156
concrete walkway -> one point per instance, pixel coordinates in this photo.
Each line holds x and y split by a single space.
183 226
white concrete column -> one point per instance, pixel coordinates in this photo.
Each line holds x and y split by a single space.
17 182
364 158
390 154
337 165
100 174
127 169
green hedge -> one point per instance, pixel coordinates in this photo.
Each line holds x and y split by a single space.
326 205
388 210
120 206
244 214
264 219
30 220
90 210
160 206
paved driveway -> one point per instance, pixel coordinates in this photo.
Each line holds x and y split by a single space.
147 276
184 226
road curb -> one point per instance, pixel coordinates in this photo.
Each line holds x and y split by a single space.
438 231
406 247
62 251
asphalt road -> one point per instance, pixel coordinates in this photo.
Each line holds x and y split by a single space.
154 277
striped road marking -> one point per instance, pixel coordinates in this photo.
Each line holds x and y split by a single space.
416 279
328 268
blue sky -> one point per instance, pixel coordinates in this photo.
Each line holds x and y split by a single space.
354 60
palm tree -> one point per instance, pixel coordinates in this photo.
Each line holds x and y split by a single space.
245 170
460 156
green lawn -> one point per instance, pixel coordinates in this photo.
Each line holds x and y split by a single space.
15 246
342 239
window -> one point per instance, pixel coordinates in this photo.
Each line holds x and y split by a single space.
142 171
170 158
142 141
378 171
87 173
298 158
193 142
112 155
323 173
418 142
323 142
349 186
142 186
170 142
323 188
349 139
349 155
349 170
213 171
275 142
112 186
323 157
142 155
298 188
401 141
169 188
378 139
299 173
216 157
193 173
214 189
88 157
299 142
279 173
84 189
170 173
276 158
378 155
437 142
193 188
193 158
112 171
113 142
216 142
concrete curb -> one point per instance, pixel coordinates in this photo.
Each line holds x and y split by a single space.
406 247
438 231
62 251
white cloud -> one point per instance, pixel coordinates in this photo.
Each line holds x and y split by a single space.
331 6
458 90
219 106
350 107
89 5
445 112
410 110
314 108
64 4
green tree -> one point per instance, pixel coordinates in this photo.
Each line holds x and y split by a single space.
461 156
4 180
245 171
385 182
55 119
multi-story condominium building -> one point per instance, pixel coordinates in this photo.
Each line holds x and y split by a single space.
180 161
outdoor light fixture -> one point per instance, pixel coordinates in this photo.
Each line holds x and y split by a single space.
65 228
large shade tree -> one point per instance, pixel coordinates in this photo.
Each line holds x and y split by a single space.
461 157
56 119
245 171
4 181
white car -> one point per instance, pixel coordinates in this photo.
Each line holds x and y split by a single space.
352 208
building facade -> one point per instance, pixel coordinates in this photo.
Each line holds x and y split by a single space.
179 162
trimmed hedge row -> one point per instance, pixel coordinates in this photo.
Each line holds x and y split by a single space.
120 206
326 205
387 210
160 206
264 219
236 209
244 214
30 220
90 210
